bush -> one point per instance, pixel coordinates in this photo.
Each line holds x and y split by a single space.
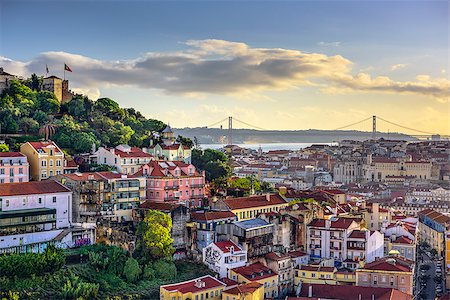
165 269
132 271
149 272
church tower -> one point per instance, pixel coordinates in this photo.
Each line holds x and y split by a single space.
168 137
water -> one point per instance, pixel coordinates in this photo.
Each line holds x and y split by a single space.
267 146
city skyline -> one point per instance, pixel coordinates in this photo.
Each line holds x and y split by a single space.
300 65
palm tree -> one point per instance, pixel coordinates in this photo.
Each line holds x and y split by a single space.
47 130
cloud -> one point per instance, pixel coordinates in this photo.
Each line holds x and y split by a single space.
329 44
224 68
398 66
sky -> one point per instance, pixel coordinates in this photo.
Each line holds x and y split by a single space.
273 64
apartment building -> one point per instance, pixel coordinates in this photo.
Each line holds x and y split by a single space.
126 159
36 214
205 287
259 273
432 228
46 159
14 167
174 181
283 265
223 256
388 272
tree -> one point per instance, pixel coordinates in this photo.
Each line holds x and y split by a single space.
28 125
165 269
132 271
245 183
48 102
213 162
153 236
185 141
35 82
4 148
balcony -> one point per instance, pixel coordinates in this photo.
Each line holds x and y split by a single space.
171 187
315 236
197 185
335 237
172 198
200 196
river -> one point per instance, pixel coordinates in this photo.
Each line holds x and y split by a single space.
266 147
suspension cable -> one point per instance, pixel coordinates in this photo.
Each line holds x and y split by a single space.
356 123
404 127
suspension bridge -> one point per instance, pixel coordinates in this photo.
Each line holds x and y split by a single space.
416 133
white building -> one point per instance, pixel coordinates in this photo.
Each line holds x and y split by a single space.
223 256
343 240
35 214
125 159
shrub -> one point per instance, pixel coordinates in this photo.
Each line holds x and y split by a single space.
149 272
165 269
132 270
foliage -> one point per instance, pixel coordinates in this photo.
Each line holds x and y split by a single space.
108 258
153 240
213 162
75 288
165 269
132 271
185 141
246 183
4 148
28 264
24 107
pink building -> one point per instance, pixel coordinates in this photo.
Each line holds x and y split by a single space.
14 167
174 181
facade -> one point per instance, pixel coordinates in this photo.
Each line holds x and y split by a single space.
282 265
388 272
246 208
245 291
432 228
126 159
206 287
381 168
254 236
259 273
36 214
45 159
5 79
169 149
315 274
55 85
174 182
348 172
223 256
206 223
14 167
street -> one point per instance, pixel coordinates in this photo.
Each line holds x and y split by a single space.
427 271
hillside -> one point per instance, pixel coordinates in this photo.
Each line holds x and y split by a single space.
30 113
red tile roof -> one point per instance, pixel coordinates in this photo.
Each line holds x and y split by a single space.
11 154
212 215
134 152
40 145
403 240
391 264
358 234
254 201
297 253
32 188
225 246
340 223
229 282
244 288
191 286
77 176
255 271
276 256
350 292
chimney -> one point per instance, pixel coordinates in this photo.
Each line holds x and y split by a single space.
310 291
267 197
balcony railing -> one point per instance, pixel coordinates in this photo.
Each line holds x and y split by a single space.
171 187
197 185
200 196
171 198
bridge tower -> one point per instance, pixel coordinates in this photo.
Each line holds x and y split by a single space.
374 127
230 130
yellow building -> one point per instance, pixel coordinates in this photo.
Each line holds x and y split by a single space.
249 207
55 85
259 273
206 287
345 277
447 258
315 274
45 158
246 291
432 228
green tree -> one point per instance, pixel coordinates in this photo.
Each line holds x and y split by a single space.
153 236
4 148
245 183
165 269
213 162
28 124
185 141
48 102
132 271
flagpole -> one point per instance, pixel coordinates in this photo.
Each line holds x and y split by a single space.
64 71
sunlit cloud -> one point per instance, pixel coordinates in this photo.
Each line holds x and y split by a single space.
398 66
225 68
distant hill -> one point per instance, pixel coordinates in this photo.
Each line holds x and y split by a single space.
215 135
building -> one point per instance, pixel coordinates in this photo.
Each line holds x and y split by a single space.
169 149
348 171
388 272
45 159
259 273
314 274
5 79
36 214
206 223
282 264
246 208
299 258
432 229
364 245
348 292
254 236
206 287
245 291
14 167
55 85
175 182
381 168
223 256
105 195
126 159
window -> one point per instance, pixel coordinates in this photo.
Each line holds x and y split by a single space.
44 163
104 160
58 163
40 200
11 172
402 280
54 199
2 171
51 162
7 203
375 279
20 170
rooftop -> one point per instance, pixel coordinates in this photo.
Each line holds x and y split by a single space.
252 223
254 201
195 285
255 271
32 188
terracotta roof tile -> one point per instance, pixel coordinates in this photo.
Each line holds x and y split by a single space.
254 201
32 188
191 286
255 271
